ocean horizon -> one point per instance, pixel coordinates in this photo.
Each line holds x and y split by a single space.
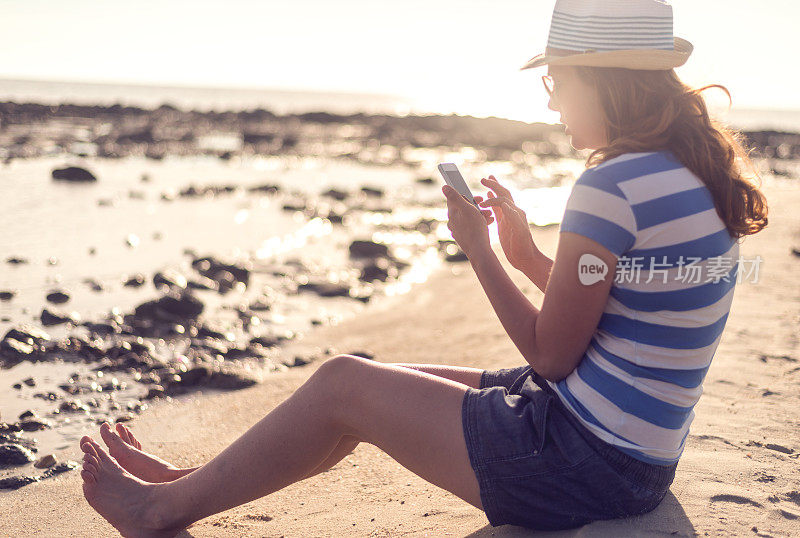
289 101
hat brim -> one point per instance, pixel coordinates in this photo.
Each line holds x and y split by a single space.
629 59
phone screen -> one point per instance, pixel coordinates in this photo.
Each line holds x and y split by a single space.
453 177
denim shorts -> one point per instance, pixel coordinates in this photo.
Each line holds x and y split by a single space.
539 467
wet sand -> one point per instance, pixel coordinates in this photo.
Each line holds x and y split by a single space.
739 474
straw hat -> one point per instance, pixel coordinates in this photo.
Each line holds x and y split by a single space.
633 34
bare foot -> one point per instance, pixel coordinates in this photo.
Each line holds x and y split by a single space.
122 499
127 450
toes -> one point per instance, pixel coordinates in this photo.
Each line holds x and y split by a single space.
88 477
111 439
122 433
102 455
88 458
90 468
88 446
133 439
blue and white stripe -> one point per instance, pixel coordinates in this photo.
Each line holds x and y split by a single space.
611 25
642 373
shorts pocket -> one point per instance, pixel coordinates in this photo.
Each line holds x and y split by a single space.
522 452
627 499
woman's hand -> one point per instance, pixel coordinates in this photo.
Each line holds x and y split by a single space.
467 223
512 226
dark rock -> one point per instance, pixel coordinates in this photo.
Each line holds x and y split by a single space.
259 305
202 283
14 454
378 270
8 437
335 218
27 414
73 173
210 268
140 346
6 295
335 194
225 281
59 468
294 206
34 424
93 284
266 188
266 341
102 329
9 428
300 361
196 376
31 382
457 257
369 191
16 482
28 334
45 461
367 249
54 317
170 279
204 331
171 307
796 251
426 180
230 379
156 391
16 261
57 297
13 351
235 352
326 289
135 281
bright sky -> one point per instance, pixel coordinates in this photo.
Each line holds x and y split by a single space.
460 56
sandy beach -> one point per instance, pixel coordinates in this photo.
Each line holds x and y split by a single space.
739 474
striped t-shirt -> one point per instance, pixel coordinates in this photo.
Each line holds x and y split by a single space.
642 373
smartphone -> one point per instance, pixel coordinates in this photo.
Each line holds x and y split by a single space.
454 178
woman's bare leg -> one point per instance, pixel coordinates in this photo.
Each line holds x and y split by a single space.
385 405
467 375
127 450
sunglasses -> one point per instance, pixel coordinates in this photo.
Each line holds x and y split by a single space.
549 84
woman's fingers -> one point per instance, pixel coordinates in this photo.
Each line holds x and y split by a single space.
495 185
504 205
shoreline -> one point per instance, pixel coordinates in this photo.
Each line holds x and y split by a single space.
738 474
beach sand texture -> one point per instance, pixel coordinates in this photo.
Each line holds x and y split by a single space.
739 474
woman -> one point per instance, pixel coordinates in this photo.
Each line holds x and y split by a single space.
593 426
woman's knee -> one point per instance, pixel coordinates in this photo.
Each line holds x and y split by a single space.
340 377
341 366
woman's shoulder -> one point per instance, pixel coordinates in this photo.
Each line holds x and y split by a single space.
634 162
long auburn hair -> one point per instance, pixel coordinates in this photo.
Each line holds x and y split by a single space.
651 110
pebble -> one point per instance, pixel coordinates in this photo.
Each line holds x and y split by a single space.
45 462
57 297
367 249
73 173
55 317
14 454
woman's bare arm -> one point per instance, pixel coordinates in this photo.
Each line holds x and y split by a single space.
539 271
